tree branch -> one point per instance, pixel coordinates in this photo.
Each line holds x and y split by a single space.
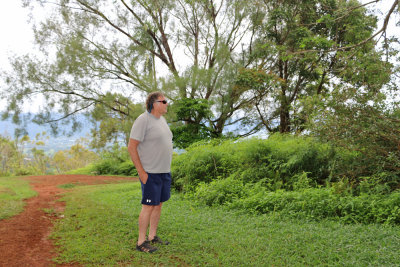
69 114
346 48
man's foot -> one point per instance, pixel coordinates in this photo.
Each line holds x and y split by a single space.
157 240
146 247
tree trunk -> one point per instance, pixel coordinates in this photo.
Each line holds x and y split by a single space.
284 117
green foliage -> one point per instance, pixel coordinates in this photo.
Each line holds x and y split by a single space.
297 49
14 161
204 162
287 175
279 161
219 192
113 167
376 184
110 126
369 130
13 191
295 57
186 134
86 64
88 169
309 203
188 109
9 156
191 113
78 156
116 161
100 228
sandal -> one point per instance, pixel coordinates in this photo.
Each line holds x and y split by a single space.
157 240
146 247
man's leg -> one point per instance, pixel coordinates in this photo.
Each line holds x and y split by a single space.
144 220
154 219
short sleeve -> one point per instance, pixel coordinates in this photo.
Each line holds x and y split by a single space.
139 128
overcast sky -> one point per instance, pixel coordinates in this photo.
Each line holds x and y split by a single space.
17 38
15 32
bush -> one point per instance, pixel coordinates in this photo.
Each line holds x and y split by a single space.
219 192
106 166
127 168
204 163
115 162
308 203
366 125
114 167
279 161
316 204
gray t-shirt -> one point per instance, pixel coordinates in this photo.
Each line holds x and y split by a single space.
155 147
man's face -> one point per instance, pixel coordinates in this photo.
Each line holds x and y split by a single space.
159 106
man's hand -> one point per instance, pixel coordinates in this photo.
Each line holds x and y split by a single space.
143 176
132 148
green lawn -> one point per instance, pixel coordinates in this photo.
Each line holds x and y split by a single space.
13 191
100 228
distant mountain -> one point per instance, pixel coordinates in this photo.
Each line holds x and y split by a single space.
52 143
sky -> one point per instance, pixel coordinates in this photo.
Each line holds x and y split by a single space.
17 36
16 33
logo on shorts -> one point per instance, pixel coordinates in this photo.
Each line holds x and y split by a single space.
148 200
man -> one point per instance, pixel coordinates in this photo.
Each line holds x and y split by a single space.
150 148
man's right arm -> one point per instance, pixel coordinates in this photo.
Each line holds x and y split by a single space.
132 148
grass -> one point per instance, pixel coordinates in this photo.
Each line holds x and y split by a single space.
69 185
13 191
100 228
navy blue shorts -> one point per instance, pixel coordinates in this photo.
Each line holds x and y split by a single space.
157 189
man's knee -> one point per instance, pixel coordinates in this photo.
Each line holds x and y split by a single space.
147 208
158 207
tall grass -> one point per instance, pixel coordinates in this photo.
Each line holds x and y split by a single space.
100 229
13 190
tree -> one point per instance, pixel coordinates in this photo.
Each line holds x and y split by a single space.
9 156
369 128
306 49
77 156
111 126
187 49
194 130
96 51
14 160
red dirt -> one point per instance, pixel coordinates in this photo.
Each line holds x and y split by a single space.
24 238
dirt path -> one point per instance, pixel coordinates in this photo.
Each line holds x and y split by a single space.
24 238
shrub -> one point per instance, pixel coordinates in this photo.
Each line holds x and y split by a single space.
371 208
366 125
317 204
219 192
279 161
116 161
301 154
203 163
127 168
106 166
114 167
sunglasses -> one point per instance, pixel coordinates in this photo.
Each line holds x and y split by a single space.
163 101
